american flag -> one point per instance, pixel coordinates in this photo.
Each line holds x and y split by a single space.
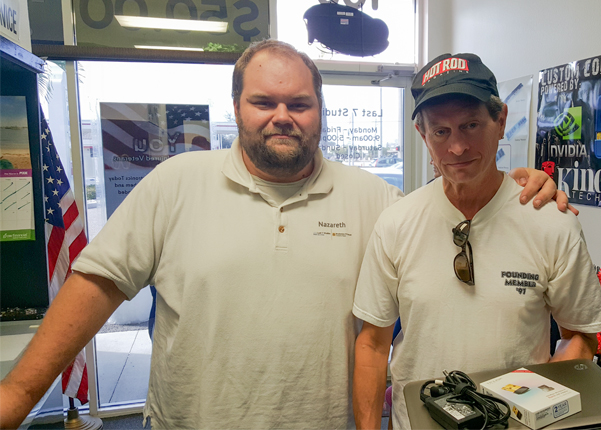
65 238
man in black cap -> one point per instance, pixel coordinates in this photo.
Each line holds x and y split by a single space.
472 274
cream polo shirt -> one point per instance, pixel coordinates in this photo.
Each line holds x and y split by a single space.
253 325
527 263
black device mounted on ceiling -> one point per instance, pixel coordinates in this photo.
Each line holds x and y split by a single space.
345 29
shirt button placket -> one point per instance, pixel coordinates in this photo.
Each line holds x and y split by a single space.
281 238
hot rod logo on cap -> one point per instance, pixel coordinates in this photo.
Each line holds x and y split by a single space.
453 74
446 65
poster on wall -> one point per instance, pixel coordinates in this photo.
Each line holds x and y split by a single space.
513 148
568 137
136 137
16 190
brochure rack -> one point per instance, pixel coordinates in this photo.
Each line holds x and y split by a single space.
23 264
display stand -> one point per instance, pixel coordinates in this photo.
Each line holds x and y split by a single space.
23 264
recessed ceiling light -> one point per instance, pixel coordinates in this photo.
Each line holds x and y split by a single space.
169 48
171 24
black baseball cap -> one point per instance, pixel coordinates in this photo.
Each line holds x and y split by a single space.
453 74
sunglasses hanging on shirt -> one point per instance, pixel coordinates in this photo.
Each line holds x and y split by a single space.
464 262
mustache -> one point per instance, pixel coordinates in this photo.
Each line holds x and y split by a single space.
282 132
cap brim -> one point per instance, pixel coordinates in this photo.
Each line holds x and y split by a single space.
457 88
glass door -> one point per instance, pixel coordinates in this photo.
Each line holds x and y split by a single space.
122 107
365 121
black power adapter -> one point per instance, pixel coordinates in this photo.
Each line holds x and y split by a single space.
454 403
452 415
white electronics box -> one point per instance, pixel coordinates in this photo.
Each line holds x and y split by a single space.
534 400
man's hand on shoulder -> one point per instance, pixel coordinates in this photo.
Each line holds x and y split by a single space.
541 186
575 345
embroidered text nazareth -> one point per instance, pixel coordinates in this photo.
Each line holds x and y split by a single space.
331 225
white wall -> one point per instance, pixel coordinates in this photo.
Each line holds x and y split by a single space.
516 38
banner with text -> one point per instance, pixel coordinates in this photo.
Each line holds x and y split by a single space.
136 137
109 23
568 138
14 22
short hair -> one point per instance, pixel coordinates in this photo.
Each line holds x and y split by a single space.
282 48
494 106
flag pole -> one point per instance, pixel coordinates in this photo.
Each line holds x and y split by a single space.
77 422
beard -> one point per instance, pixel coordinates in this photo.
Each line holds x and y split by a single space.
277 162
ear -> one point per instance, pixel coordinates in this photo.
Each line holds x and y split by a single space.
236 110
420 132
502 121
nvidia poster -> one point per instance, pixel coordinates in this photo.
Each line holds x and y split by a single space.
568 138
136 137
